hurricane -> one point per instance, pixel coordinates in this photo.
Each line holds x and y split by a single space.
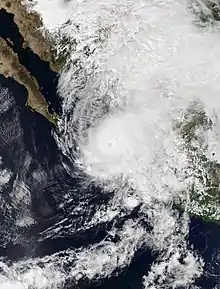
140 119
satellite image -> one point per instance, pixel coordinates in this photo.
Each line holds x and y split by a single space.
109 144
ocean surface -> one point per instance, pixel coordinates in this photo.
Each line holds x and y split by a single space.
57 231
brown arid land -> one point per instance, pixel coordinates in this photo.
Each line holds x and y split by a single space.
28 24
11 67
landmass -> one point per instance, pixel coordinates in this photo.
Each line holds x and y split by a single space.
204 194
209 11
29 24
11 67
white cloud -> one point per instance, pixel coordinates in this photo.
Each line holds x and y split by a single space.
5 99
152 63
54 12
23 277
137 66
5 175
172 273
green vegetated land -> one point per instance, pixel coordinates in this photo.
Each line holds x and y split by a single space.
204 195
